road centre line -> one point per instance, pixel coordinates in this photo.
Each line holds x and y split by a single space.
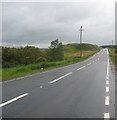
60 77
89 64
41 86
81 68
14 99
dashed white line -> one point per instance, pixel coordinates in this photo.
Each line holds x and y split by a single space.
60 77
107 77
107 68
107 100
41 86
107 89
107 82
14 99
81 68
106 116
98 58
89 64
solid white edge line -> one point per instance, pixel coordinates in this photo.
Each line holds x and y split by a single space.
106 115
16 79
60 77
14 99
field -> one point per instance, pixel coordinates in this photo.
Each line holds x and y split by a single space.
71 55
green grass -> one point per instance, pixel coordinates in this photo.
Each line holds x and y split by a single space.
113 55
70 57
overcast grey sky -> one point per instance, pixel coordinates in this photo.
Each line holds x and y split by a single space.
38 23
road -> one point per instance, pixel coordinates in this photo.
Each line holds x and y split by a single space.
82 90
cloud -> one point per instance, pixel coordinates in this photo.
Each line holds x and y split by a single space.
40 23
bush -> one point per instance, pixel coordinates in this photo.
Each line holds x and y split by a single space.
41 59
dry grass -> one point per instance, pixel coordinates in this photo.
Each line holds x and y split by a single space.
77 54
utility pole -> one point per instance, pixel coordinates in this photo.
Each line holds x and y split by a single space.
112 42
81 41
112 46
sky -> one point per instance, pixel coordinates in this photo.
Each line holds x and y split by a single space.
39 23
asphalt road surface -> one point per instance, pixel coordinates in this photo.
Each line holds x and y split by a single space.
82 90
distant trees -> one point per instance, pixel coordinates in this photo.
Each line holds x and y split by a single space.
12 57
55 51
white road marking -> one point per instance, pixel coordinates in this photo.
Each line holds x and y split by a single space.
89 64
98 58
107 67
41 86
17 79
107 82
25 76
81 68
107 77
106 116
14 99
107 100
60 77
107 89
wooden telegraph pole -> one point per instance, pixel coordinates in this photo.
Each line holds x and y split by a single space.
81 41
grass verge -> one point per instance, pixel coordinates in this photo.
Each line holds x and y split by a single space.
113 56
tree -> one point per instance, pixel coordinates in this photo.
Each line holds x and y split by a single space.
55 51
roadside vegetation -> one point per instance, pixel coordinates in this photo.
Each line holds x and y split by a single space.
27 60
113 55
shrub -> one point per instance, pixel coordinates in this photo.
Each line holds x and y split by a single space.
41 59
